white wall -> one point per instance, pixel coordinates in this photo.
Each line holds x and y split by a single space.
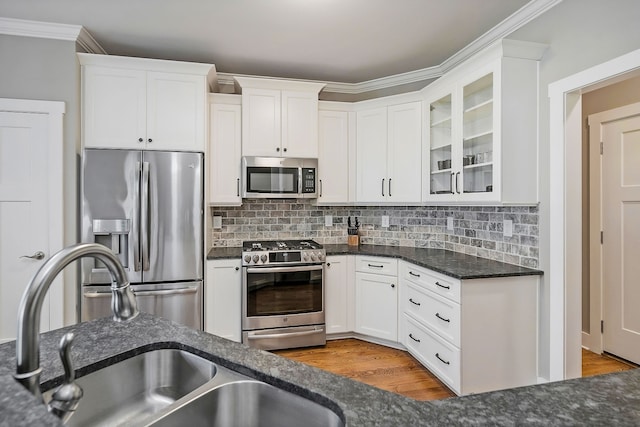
43 69
581 34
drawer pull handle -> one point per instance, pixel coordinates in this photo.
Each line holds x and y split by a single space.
415 339
442 360
414 274
443 286
442 318
413 302
375 265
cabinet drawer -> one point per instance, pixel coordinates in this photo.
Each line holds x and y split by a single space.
435 282
377 265
439 314
440 357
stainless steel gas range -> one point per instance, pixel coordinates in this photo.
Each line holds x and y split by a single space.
283 294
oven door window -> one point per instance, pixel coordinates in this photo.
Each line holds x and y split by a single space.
272 180
271 294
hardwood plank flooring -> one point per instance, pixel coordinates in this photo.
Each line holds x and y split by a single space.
398 372
596 364
379 366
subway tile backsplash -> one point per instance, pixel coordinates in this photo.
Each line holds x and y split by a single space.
477 230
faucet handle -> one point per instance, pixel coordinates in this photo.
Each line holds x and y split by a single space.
65 399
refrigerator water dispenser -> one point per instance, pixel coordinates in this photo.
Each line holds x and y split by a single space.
114 234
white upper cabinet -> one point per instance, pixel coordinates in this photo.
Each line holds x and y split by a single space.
279 118
225 150
481 128
136 103
336 155
389 143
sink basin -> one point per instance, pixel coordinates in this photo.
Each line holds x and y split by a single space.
130 391
250 404
174 388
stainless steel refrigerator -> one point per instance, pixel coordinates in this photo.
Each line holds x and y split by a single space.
147 206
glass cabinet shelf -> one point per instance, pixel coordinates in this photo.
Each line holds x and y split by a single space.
446 123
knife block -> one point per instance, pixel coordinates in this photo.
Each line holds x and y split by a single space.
353 240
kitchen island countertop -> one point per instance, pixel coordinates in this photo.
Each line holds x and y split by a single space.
453 264
612 399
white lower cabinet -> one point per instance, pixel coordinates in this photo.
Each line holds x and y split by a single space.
440 356
338 294
376 299
475 335
223 299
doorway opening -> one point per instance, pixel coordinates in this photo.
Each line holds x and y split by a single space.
566 232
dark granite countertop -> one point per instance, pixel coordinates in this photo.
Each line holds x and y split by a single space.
612 399
453 264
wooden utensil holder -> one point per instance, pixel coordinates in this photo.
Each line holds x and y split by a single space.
353 240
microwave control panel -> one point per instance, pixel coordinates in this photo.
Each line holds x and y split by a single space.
308 180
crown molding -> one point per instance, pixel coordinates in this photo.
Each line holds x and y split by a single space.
519 18
525 14
48 30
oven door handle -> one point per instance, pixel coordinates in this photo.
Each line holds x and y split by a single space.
284 269
283 335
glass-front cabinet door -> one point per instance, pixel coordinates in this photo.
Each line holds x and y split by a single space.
477 136
441 140
461 140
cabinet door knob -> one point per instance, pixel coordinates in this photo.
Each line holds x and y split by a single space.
150 140
284 149
278 149
328 264
237 268
140 139
393 285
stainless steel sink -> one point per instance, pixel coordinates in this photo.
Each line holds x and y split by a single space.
249 404
175 388
129 392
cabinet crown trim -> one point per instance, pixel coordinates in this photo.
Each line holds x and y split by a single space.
278 84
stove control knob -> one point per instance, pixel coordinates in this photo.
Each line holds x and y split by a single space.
256 258
263 258
313 256
247 258
305 256
320 256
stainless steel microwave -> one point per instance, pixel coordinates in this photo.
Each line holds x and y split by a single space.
279 177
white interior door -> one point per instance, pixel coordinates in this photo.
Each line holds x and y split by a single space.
621 243
30 205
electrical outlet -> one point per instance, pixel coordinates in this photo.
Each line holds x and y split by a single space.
385 221
328 220
450 223
507 228
217 222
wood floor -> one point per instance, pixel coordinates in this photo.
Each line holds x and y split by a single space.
397 371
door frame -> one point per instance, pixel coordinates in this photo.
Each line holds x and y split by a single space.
55 111
594 339
565 207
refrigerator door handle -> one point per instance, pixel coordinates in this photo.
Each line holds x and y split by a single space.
136 221
156 293
144 220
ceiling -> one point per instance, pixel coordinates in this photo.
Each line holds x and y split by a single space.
346 41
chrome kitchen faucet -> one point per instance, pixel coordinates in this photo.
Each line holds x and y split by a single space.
123 304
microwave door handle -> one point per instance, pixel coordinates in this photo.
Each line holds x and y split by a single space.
144 220
299 180
135 235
